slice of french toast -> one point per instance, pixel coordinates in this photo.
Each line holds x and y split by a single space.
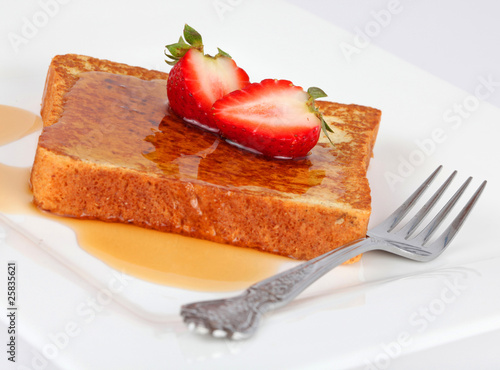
112 150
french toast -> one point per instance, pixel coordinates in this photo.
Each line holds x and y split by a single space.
112 150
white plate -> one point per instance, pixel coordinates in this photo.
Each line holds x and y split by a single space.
384 312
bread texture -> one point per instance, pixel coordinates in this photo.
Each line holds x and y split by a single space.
112 150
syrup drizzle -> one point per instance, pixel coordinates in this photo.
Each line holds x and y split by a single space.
16 123
162 258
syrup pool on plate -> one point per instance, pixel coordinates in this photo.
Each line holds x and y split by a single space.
163 258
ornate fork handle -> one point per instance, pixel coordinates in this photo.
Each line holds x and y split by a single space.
238 317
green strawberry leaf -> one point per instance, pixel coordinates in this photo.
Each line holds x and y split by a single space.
192 37
178 50
326 129
316 93
222 53
171 62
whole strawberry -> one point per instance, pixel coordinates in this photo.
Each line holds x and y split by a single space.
197 80
273 118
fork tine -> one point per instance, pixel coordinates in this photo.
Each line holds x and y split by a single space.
429 230
447 236
410 227
395 218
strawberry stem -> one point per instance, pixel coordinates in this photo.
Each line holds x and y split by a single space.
180 48
316 93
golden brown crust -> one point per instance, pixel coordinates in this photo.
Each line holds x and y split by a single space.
277 217
275 225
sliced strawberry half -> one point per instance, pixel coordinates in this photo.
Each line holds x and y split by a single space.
273 117
197 80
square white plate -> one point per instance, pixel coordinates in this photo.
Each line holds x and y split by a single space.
384 312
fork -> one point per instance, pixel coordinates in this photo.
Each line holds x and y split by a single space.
238 317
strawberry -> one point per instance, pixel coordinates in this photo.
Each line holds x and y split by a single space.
197 80
273 117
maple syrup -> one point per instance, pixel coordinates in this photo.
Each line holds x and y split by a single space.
155 256
16 123
131 125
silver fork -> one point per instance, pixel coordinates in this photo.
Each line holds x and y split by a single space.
238 317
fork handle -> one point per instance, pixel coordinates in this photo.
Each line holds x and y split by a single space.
280 289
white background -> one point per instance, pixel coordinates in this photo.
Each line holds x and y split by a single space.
454 40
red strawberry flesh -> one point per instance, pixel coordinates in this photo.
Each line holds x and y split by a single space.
198 80
273 117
